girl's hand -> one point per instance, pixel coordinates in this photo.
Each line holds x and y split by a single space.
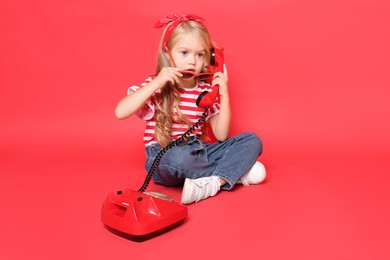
168 74
221 79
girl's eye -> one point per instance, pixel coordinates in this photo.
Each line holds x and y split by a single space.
184 53
200 55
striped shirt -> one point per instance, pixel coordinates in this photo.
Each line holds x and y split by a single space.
187 106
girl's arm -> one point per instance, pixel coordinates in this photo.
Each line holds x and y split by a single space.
220 123
131 103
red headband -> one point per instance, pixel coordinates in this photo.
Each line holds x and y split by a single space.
176 19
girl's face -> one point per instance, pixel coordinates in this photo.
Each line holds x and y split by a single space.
188 53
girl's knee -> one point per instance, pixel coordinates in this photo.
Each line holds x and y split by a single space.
181 157
254 141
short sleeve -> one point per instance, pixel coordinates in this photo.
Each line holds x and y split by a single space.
214 109
145 112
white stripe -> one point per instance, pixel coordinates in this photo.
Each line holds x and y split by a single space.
191 113
175 126
178 134
151 123
192 96
188 104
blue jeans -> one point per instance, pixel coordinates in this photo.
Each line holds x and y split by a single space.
229 160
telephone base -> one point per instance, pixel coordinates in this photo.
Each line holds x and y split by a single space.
138 216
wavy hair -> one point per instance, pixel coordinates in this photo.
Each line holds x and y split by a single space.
168 102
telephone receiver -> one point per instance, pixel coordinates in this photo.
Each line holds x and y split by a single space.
207 98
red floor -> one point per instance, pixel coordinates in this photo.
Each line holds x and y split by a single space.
309 208
311 78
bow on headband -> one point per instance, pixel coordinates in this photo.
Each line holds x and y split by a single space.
175 20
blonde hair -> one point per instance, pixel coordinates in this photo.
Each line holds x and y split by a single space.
168 102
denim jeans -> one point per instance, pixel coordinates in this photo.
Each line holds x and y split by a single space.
193 159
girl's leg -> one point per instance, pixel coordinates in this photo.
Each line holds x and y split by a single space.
235 157
187 160
225 161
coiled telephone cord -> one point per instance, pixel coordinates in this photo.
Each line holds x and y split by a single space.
171 144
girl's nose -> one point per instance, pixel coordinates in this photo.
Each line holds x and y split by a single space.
191 60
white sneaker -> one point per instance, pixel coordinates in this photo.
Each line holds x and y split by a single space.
255 175
195 190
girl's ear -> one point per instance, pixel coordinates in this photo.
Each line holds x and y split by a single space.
168 57
166 51
166 54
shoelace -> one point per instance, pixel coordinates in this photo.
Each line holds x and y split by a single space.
206 188
202 183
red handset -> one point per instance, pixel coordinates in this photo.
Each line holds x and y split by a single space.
206 99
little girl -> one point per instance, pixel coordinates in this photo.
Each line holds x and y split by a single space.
167 102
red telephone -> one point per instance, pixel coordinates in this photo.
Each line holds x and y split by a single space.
206 99
140 215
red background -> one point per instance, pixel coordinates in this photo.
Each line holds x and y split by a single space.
310 77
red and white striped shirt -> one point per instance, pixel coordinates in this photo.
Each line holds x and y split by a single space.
187 106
